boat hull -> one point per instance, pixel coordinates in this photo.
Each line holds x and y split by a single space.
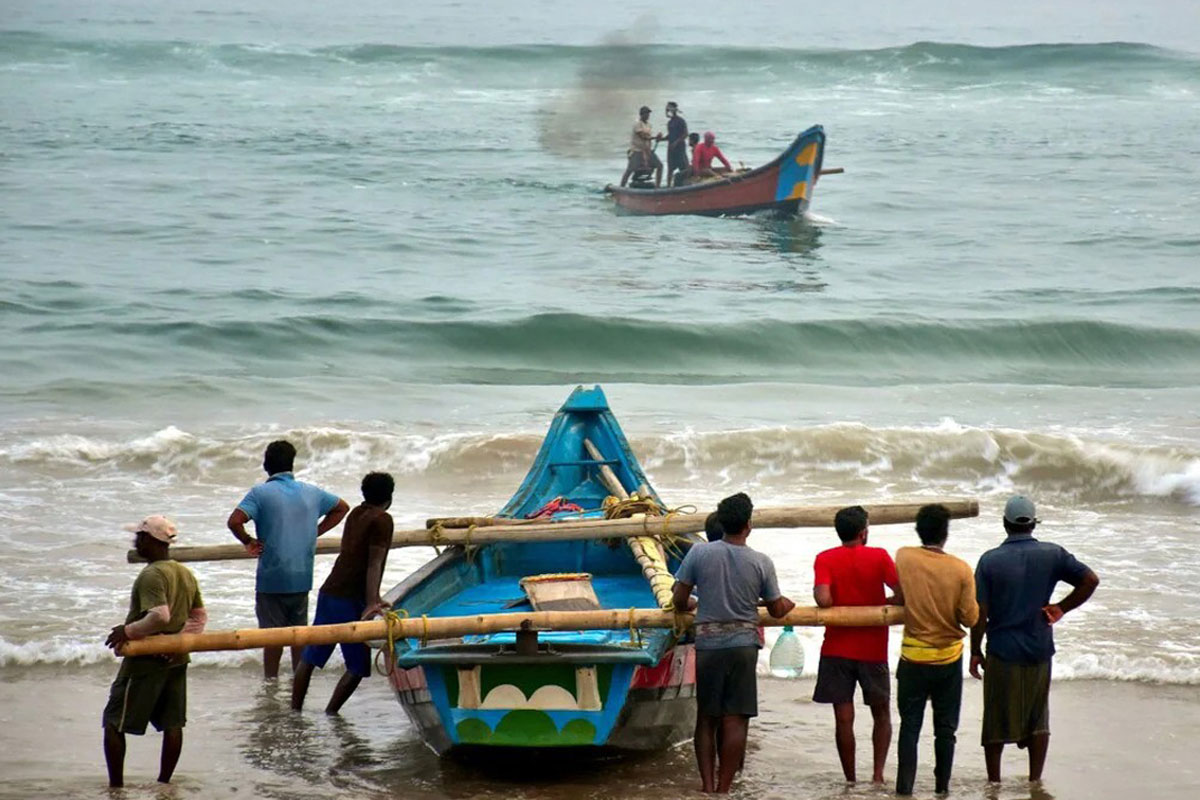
785 186
653 708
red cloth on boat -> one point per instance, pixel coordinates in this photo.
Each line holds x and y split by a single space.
703 155
555 506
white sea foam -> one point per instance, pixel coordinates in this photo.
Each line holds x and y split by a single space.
946 455
65 652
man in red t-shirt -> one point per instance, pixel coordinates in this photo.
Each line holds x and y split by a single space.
854 575
703 155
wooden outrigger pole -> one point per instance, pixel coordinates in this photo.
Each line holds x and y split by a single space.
430 628
672 524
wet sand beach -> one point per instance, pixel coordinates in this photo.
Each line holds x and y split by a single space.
1109 740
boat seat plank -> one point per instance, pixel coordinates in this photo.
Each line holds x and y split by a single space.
560 592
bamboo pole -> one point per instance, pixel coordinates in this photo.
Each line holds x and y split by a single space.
647 551
638 525
832 171
428 628
778 517
607 476
479 522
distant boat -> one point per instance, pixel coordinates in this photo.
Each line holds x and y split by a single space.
581 690
784 185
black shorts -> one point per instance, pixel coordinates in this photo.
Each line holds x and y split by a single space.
726 683
836 678
156 694
281 610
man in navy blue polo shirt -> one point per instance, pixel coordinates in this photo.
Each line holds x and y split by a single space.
1014 583
288 517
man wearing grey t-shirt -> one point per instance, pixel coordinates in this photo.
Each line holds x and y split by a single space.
729 579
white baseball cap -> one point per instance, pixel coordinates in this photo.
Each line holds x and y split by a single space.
157 526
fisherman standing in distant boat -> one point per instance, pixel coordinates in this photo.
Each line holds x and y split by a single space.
288 517
641 149
684 176
939 602
351 592
703 155
1014 583
855 575
152 689
729 579
677 132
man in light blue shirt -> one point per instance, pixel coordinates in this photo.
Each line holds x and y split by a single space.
288 517
730 580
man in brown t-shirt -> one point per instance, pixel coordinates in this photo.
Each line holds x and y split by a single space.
939 605
351 592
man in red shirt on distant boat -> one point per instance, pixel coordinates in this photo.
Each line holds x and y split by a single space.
703 155
855 575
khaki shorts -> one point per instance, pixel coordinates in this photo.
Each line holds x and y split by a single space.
148 693
644 159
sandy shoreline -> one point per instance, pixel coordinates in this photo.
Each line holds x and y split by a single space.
1110 739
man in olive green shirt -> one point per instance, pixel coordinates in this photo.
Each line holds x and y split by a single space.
165 599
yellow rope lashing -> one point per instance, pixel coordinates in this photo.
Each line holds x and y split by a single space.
635 633
435 537
392 618
645 548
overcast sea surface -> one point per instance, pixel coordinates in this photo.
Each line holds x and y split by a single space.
379 231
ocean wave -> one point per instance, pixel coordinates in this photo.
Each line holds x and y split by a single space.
1059 467
563 348
608 64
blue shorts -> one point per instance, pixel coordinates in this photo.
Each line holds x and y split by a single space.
333 611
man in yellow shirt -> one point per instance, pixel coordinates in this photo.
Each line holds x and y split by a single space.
939 607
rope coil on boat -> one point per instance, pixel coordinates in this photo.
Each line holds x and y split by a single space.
650 551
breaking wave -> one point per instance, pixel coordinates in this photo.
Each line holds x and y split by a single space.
950 457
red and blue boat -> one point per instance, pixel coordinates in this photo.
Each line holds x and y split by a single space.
785 186
627 689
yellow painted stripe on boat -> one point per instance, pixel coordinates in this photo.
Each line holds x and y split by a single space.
808 155
799 191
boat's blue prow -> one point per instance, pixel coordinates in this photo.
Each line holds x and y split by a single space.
565 468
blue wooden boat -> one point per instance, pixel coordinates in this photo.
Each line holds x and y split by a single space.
620 689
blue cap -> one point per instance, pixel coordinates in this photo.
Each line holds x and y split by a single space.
1019 510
